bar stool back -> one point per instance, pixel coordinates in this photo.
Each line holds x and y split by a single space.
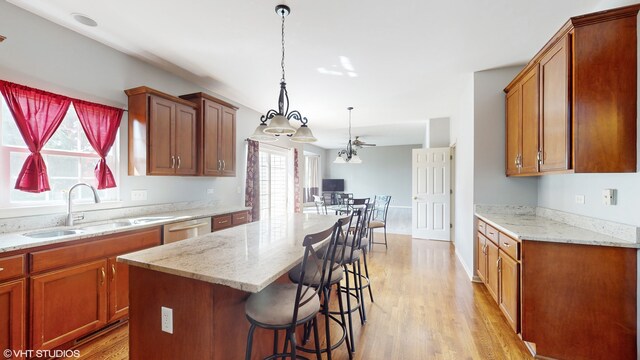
285 306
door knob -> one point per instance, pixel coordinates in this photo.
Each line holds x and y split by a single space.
415 198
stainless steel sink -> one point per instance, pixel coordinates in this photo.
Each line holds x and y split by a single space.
54 233
108 226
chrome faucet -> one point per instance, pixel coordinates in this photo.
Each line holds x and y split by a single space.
70 217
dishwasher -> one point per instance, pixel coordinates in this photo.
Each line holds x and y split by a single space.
186 229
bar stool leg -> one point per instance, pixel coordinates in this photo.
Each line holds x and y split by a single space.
292 335
327 323
247 356
316 340
364 311
356 288
275 341
353 345
366 271
341 305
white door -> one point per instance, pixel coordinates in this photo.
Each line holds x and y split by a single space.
430 191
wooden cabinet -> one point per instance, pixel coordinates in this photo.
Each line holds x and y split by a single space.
67 304
12 315
118 289
239 218
218 137
220 222
573 107
499 269
522 126
554 118
508 279
163 134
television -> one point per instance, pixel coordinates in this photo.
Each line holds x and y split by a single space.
332 184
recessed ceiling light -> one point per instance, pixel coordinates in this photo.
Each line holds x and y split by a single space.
84 20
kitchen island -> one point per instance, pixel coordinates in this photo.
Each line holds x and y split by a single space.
205 282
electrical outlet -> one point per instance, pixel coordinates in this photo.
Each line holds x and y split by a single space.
609 196
579 199
209 191
138 195
167 320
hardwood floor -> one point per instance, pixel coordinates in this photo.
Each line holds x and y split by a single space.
426 308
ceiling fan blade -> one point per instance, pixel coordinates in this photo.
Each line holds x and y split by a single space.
365 144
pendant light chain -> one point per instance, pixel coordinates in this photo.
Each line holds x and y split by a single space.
282 62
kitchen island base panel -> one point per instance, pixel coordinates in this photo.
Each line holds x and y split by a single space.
579 301
209 321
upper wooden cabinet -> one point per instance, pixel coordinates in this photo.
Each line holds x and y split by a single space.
163 134
218 136
573 107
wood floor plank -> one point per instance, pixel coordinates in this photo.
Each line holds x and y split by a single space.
426 308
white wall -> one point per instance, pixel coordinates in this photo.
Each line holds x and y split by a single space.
41 54
437 133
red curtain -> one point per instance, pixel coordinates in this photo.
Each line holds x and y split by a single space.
38 114
100 124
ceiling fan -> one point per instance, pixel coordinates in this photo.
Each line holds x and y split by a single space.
359 143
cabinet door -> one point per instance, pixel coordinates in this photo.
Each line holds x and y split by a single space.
482 258
227 144
530 123
161 143
186 140
513 130
12 315
118 289
508 299
67 304
492 269
554 120
212 116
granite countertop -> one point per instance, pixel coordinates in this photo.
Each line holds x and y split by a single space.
539 228
246 257
17 240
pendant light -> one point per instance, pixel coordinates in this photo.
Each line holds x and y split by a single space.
350 154
279 120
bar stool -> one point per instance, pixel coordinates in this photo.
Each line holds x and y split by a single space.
334 275
379 217
285 306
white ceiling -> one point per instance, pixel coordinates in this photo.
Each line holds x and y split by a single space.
407 55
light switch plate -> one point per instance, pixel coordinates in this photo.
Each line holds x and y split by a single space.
167 320
609 196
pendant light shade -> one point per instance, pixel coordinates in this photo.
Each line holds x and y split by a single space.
355 159
339 160
279 125
259 135
303 135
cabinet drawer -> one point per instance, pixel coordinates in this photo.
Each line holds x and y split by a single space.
492 234
221 222
510 246
482 227
240 218
12 267
96 249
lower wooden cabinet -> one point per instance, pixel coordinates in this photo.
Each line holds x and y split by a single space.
482 258
492 269
509 278
68 303
118 289
12 315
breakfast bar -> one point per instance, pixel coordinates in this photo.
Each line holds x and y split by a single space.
204 281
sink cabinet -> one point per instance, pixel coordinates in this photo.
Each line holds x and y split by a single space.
118 275
12 314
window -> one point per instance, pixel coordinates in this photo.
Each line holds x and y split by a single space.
274 182
69 158
311 177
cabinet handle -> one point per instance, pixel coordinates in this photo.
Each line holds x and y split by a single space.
240 218
224 164
499 264
1 269
223 221
506 244
104 275
539 157
179 161
219 165
516 160
173 161
113 271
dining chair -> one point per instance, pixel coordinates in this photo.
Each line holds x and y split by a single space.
379 217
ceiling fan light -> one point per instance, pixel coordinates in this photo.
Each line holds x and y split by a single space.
259 135
303 135
279 125
355 159
339 160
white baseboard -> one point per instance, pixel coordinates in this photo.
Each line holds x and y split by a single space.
466 269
